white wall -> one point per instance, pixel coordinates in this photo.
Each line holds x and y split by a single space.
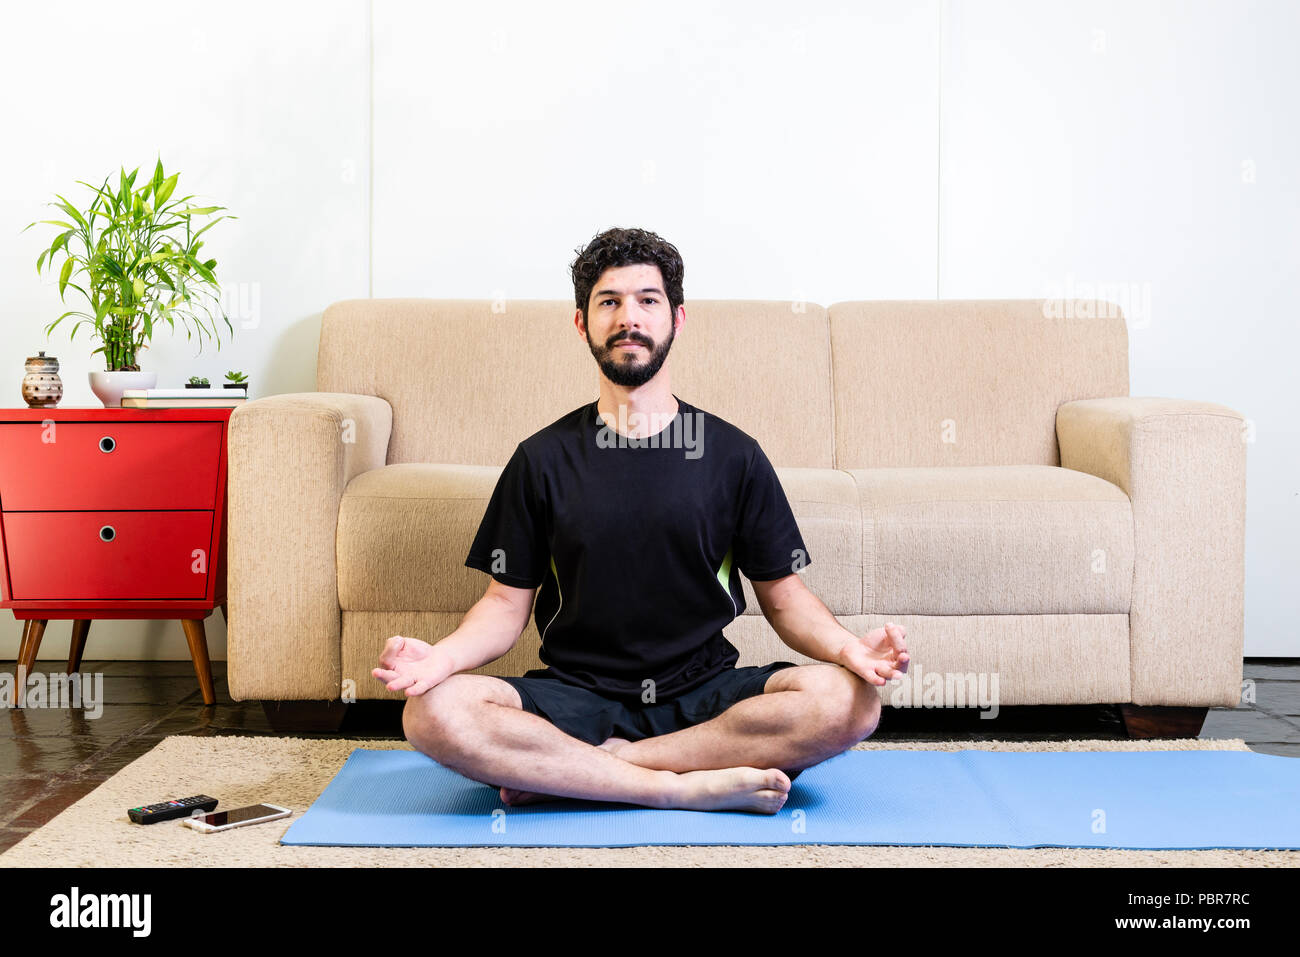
1148 151
789 153
260 108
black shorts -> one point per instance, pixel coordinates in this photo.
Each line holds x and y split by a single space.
592 717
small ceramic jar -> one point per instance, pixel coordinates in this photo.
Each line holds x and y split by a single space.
42 387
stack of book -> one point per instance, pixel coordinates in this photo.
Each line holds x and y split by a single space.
218 398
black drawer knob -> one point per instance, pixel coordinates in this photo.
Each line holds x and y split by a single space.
107 444
107 534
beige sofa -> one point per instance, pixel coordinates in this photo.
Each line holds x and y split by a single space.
975 470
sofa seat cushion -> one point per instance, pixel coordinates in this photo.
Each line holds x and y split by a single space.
826 508
994 540
404 531
986 540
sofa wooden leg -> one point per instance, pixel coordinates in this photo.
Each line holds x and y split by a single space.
311 716
1162 722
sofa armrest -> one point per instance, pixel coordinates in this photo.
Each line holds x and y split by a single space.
1182 464
289 459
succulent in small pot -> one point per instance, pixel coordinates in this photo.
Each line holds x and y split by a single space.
198 382
237 380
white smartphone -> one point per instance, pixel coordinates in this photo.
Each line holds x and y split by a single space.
214 821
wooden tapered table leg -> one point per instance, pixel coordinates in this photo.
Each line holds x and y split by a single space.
80 628
198 641
32 635
22 644
33 629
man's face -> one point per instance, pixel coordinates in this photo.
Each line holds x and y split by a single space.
628 305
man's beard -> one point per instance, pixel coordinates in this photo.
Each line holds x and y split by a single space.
636 371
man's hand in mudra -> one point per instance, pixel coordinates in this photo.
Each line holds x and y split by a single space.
878 656
411 664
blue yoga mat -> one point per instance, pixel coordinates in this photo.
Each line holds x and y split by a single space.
1158 800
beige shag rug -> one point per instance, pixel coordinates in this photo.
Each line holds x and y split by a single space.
241 770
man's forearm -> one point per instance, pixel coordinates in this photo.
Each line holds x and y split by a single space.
804 623
489 629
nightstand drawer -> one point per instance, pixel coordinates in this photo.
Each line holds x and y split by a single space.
113 555
117 465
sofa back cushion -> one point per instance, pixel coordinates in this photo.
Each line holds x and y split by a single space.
469 379
967 382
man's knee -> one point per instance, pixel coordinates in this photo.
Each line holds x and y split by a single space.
848 705
433 721
863 708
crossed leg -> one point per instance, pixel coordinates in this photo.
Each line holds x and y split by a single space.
805 715
476 725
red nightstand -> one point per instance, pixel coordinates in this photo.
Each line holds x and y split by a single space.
113 513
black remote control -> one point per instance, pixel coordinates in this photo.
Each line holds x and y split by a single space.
167 810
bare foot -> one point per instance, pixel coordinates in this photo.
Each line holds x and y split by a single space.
514 797
737 789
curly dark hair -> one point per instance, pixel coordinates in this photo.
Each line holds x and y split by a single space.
626 247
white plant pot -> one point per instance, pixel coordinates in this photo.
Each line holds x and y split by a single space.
108 386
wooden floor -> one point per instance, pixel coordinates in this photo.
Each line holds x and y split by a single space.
51 757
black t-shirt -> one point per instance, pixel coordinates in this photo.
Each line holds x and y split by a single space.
636 544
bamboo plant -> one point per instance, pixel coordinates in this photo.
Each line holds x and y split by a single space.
139 270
